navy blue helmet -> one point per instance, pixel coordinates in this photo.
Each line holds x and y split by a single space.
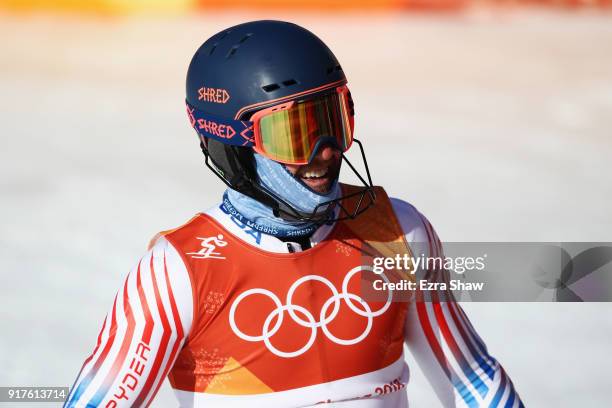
249 67
256 62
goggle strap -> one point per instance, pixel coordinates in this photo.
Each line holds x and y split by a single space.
228 131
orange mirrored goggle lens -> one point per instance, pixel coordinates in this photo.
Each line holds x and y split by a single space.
292 132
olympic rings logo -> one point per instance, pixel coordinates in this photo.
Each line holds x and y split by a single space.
308 321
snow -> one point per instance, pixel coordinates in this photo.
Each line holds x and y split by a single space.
496 126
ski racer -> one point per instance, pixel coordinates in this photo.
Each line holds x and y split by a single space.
256 301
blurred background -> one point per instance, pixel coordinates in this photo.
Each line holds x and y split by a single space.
494 118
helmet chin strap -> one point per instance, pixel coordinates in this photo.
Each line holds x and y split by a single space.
329 210
279 182
245 181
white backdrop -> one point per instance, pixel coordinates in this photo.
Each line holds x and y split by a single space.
497 127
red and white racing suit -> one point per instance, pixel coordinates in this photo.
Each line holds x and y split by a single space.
235 317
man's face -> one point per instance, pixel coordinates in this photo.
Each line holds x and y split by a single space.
321 172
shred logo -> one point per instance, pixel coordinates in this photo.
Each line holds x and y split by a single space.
209 246
216 95
237 218
217 129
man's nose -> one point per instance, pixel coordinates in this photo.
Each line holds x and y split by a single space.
326 152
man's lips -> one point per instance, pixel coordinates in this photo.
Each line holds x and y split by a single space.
317 179
315 173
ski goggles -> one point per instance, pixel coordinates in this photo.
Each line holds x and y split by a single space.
289 132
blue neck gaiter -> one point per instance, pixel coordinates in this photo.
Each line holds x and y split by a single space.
276 178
